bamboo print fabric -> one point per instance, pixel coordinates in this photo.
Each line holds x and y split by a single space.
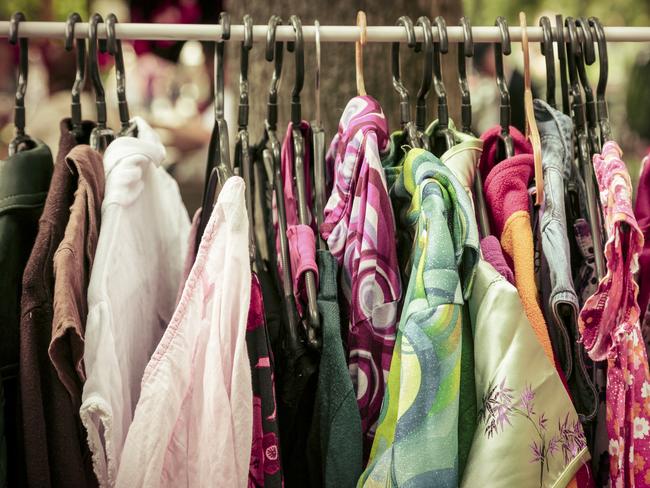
360 231
417 438
609 323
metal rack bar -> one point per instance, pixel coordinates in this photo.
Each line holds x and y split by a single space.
331 33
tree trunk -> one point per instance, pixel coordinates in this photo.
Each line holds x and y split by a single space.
337 59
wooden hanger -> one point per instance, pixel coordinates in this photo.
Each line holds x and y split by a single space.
531 125
358 52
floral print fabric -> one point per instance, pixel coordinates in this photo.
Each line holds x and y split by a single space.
265 464
609 323
359 228
417 438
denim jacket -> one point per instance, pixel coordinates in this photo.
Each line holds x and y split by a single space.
559 298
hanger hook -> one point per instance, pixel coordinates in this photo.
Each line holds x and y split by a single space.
603 62
465 50
501 48
441 46
298 48
80 75
317 77
427 78
219 52
586 40
405 110
274 52
23 72
549 57
115 49
246 46
93 67
358 52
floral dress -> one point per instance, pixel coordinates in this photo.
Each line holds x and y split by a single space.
609 323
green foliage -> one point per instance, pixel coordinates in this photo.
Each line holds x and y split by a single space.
36 9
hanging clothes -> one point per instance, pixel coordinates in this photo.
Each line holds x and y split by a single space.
609 323
297 369
301 237
417 438
132 290
642 214
493 253
198 381
53 316
265 466
24 181
506 191
336 428
559 298
504 430
359 228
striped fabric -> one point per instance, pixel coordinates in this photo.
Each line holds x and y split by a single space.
359 228
417 437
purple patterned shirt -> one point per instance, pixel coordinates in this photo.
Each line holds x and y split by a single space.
359 228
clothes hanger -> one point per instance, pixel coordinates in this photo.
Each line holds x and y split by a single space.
561 55
586 55
603 63
80 74
441 46
427 79
318 142
102 135
115 49
549 56
271 159
404 104
312 319
584 159
218 168
531 124
358 53
242 147
21 140
466 51
500 49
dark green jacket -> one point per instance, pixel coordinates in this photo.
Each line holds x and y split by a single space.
24 182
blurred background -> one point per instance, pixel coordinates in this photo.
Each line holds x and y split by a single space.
170 83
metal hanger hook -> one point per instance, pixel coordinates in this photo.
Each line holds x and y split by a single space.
465 50
298 48
586 40
80 75
405 110
23 71
246 46
427 75
114 46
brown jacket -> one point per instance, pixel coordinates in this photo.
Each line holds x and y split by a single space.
56 450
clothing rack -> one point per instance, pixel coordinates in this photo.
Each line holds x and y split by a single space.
328 33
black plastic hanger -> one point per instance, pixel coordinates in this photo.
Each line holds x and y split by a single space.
465 50
243 159
441 46
102 135
549 57
500 49
218 168
115 49
561 55
312 319
427 78
319 144
404 104
586 54
603 64
21 140
80 74
584 157
271 155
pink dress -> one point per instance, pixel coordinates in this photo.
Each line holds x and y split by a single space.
609 323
